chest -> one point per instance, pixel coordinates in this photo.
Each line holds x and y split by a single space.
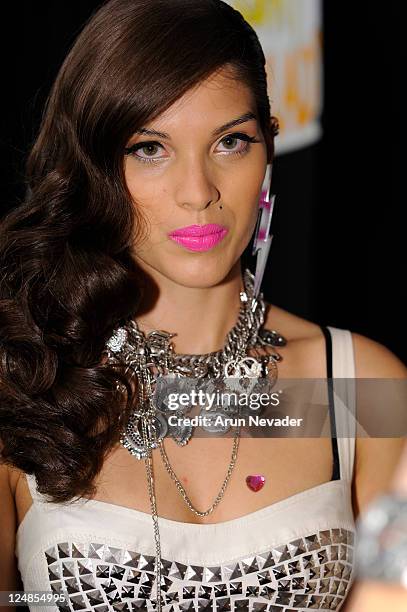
289 466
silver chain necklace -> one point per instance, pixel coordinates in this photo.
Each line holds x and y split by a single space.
154 354
151 357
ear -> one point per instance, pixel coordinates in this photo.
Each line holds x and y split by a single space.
273 129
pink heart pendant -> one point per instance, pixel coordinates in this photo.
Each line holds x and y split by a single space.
255 482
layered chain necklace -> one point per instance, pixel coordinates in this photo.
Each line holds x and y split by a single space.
151 357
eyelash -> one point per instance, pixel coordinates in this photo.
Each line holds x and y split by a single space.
236 135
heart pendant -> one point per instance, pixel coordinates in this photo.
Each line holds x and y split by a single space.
255 482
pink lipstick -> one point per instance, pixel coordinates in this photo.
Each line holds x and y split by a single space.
199 237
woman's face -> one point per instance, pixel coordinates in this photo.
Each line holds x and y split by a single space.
198 171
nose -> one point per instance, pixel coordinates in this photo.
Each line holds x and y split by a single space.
195 188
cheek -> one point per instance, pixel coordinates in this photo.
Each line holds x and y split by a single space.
143 192
246 213
148 201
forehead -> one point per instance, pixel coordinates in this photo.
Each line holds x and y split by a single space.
208 104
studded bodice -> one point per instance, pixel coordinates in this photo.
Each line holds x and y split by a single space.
294 555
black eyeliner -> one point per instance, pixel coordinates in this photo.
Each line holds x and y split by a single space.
139 145
241 136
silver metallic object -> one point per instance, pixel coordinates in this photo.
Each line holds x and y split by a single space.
311 572
154 354
381 552
149 357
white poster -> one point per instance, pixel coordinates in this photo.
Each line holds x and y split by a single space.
290 32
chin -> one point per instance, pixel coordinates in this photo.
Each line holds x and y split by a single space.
196 270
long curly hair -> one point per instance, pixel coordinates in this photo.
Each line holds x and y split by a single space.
68 277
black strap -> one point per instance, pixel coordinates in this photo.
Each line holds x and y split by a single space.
336 463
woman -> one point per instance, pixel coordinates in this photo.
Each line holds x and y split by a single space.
159 122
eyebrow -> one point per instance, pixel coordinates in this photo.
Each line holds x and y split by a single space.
227 126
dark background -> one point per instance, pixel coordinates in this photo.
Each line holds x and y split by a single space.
338 253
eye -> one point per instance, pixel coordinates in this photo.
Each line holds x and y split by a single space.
148 148
231 140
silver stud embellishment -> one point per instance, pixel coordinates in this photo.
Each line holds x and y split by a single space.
300 575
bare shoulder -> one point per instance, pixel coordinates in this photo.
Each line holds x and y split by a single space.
376 458
9 576
10 476
5 476
305 352
290 325
374 360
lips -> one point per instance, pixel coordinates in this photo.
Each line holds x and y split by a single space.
199 237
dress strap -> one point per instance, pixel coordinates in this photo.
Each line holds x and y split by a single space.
336 470
344 398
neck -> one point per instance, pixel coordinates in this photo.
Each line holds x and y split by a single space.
201 317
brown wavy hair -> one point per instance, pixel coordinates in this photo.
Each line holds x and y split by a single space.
68 275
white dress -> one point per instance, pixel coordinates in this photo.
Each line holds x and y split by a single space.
294 555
